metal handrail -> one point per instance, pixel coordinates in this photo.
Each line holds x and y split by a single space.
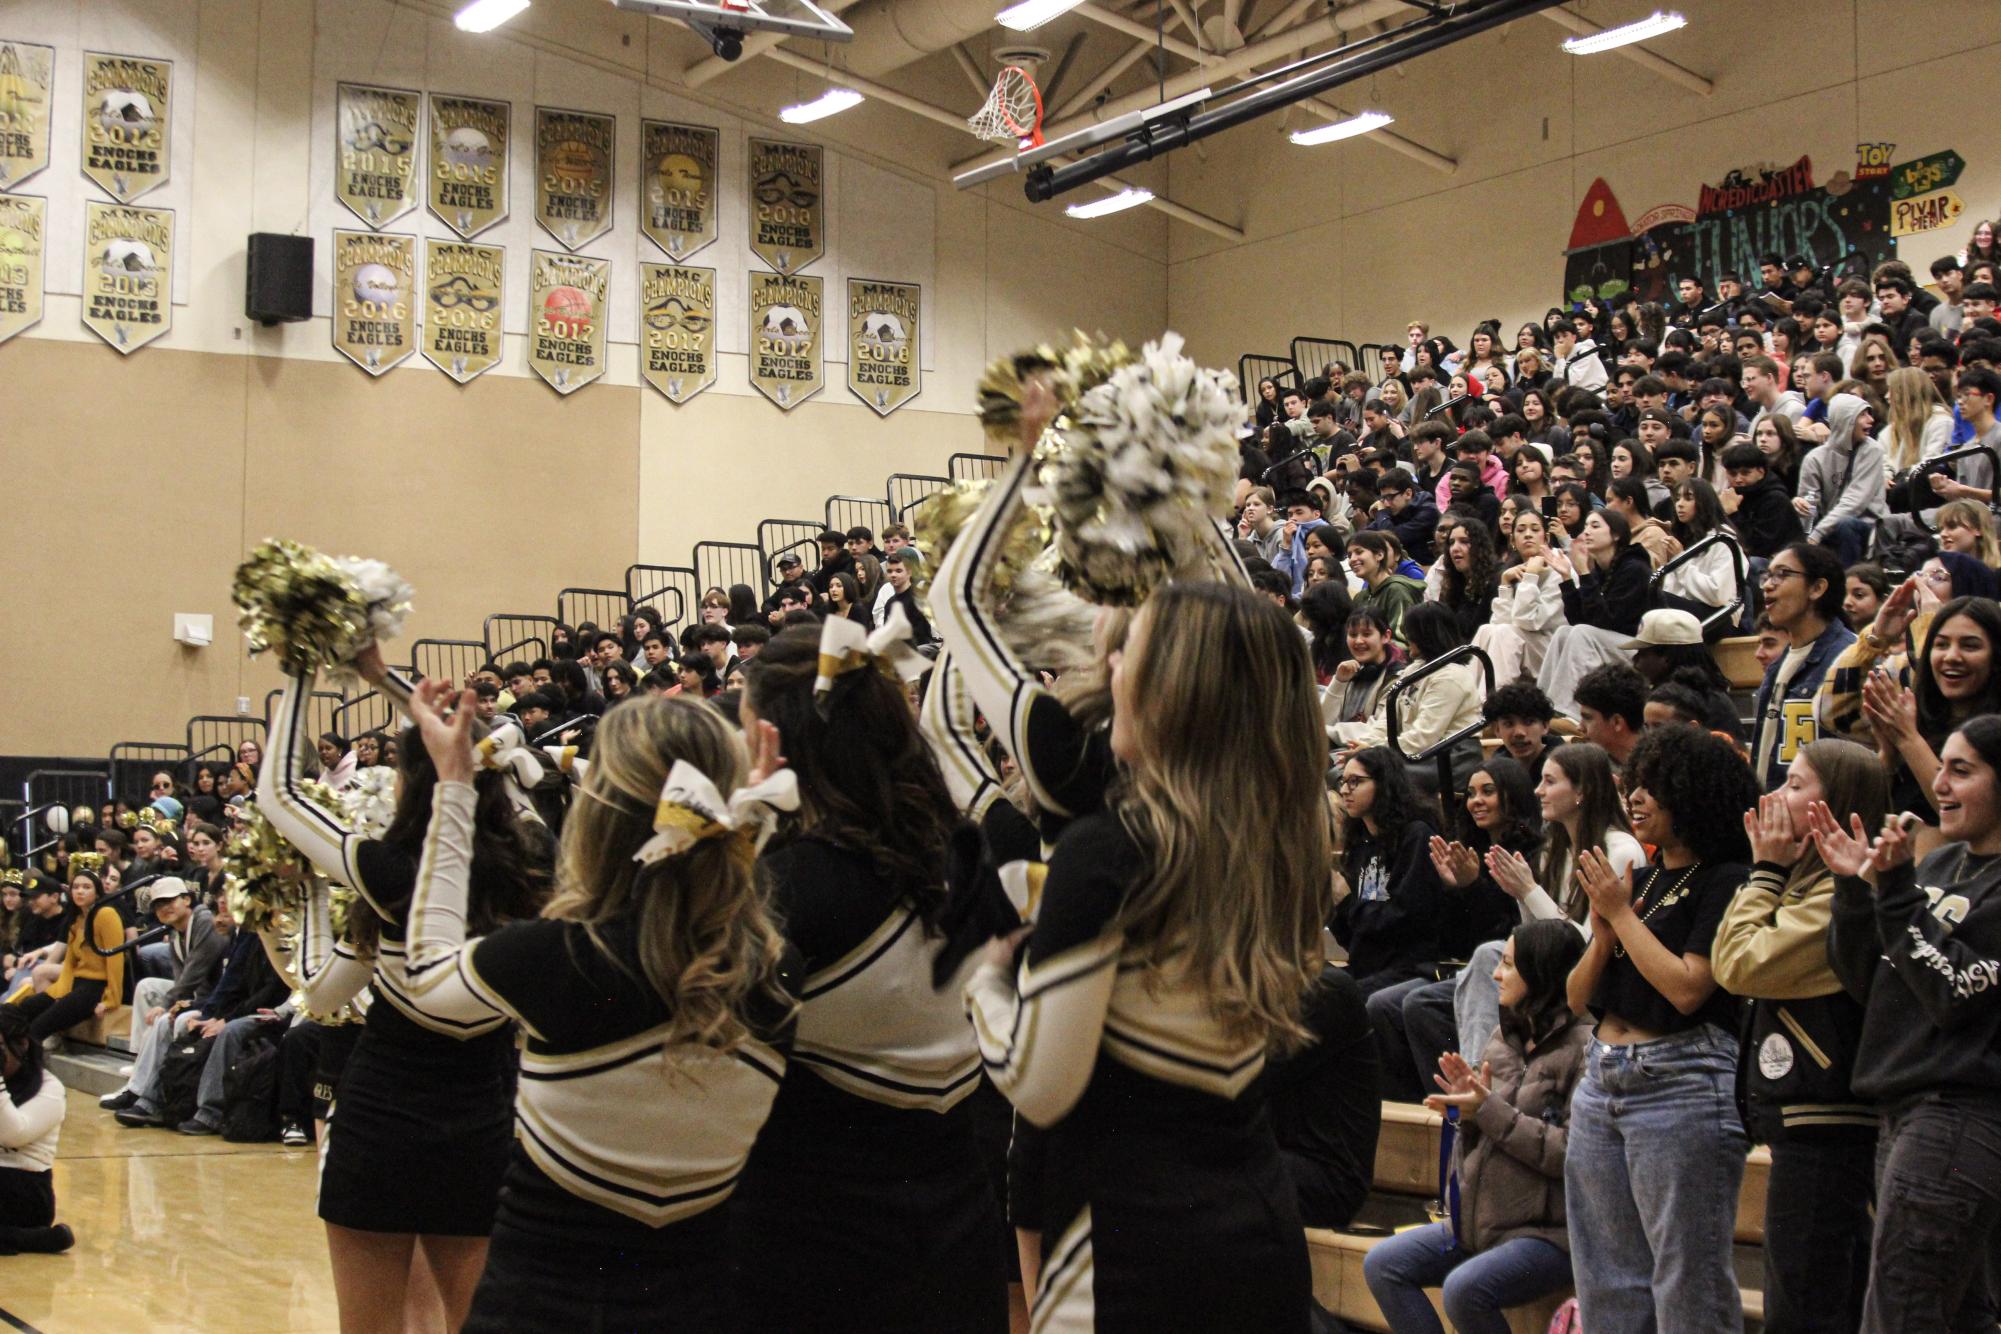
1943 463
1268 365
1737 562
936 482
530 617
1332 346
977 467
771 561
680 598
1440 750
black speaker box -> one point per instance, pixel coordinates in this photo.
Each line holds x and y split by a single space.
278 281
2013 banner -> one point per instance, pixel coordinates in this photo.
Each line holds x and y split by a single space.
128 273
23 222
677 207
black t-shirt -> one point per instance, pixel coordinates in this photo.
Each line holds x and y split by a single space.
1682 908
39 931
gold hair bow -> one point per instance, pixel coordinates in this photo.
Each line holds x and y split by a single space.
503 750
14 878
128 819
86 861
845 647
692 810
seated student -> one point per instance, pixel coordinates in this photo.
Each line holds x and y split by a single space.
1520 716
1912 943
1675 461
44 928
1356 691
1707 581
196 949
1803 591
1407 512
1528 602
31 1117
1372 559
1303 516
1604 594
1439 706
91 980
1326 1106
1611 709
1841 484
1868 585
1469 573
653 651
1506 1242
1757 503
1388 896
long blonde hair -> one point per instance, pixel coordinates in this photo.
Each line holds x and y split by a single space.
706 943
1975 515
1913 398
1227 796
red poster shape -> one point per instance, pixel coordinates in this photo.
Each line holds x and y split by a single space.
1599 218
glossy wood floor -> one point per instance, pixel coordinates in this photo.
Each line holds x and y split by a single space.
175 1233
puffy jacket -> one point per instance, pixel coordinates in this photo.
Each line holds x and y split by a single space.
1509 1155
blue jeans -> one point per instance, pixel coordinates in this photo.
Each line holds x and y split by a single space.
1651 1173
1479 1286
1849 539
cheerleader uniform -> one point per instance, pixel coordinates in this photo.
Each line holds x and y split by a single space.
419 1131
628 1142
1164 1203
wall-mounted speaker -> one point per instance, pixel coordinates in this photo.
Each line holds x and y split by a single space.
278 281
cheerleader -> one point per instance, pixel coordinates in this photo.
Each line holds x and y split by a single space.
418 1136
31 1120
653 1007
1160 968
865 1204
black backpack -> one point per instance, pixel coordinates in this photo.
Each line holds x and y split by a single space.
180 1077
250 1091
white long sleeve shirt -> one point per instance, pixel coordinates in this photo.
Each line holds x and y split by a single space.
28 1133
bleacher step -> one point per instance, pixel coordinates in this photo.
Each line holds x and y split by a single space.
88 1069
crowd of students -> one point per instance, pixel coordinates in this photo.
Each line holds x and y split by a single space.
764 972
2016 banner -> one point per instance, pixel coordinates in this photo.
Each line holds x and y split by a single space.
23 219
375 155
128 273
677 207
27 85
374 298
127 105
568 298
468 163
883 370
462 303
573 174
787 225
677 351
785 356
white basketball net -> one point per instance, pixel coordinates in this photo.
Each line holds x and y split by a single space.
1012 112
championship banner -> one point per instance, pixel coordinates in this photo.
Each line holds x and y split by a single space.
573 174
375 167
27 79
462 305
22 220
128 273
468 163
375 298
678 206
567 296
882 343
785 362
126 106
787 228
677 353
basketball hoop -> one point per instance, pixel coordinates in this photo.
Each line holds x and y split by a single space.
1012 111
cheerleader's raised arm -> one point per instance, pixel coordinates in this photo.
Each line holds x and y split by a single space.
948 723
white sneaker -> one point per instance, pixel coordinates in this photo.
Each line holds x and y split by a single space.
125 1072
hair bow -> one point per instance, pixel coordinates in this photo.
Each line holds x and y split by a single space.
846 647
568 763
14 878
692 810
502 749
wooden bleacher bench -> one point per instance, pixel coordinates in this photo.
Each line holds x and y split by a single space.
99 1029
1738 659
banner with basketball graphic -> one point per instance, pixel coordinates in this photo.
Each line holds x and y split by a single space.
677 205
787 224
785 360
374 298
677 344
573 174
128 273
567 305
375 156
463 297
468 163
27 85
127 106
882 343
23 219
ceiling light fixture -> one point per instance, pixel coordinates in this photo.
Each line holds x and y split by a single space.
830 103
1033 13
1660 22
1130 197
1343 129
486 15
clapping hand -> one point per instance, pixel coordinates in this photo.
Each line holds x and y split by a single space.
1770 829
1464 1088
447 737
1510 871
766 758
1849 851
1560 562
1610 892
1892 709
1894 617
1457 864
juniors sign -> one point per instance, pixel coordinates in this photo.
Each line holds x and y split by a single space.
785 324
127 106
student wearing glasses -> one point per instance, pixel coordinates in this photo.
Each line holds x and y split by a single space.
1803 588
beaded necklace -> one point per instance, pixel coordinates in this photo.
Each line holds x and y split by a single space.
1675 894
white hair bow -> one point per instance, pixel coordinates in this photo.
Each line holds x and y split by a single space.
568 763
505 749
692 810
846 647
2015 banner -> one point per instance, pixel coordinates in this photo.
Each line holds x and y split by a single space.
468 163
375 153
677 207
573 174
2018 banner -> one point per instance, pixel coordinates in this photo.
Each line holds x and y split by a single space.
787 200
882 343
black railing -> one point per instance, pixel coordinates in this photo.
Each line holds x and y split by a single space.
450 660
1943 463
322 712
1370 355
906 489
1441 749
133 763
845 512
797 537
669 591
1728 613
721 564
602 607
509 634
976 467
370 711
209 732
1312 356
46 790
1255 366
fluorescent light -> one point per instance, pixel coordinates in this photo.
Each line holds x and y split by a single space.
1033 13
1343 129
1131 197
486 15
1654 25
830 103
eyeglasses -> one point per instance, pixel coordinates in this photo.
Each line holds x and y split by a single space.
1350 784
1777 575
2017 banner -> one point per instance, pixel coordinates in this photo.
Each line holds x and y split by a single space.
785 326
677 340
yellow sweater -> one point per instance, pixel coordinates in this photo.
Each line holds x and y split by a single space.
80 961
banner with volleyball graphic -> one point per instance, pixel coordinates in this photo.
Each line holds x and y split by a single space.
127 107
677 200
374 298
375 153
573 174
468 189
568 298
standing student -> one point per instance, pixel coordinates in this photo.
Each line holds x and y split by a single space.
1798 1061
865 1199
1656 1150
1919 947
1803 589
1160 970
